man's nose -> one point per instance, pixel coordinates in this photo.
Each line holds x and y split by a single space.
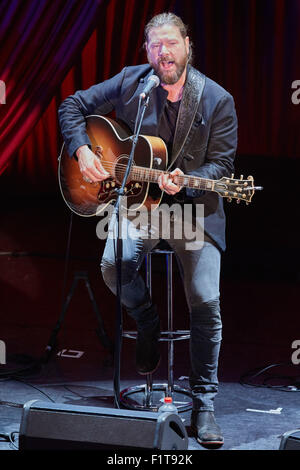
163 50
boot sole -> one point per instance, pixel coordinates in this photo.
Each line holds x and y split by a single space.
209 444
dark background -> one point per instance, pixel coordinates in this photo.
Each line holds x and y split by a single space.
51 49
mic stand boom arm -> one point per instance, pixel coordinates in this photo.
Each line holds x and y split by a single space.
119 251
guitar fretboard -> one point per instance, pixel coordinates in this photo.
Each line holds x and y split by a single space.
151 175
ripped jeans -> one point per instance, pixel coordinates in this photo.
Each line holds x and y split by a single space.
200 272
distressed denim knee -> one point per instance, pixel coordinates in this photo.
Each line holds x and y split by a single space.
135 295
205 321
109 273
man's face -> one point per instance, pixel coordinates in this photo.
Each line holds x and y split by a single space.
167 53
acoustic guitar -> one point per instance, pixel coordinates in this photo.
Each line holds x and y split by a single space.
112 143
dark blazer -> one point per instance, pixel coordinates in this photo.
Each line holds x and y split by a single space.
205 139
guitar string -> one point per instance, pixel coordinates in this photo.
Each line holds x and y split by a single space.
194 181
140 172
152 176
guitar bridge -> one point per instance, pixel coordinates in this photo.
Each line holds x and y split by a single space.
108 189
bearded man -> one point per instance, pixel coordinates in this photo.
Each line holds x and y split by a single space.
196 118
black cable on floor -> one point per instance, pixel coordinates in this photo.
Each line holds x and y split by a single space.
27 364
247 378
19 374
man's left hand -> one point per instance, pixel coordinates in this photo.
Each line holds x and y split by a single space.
168 183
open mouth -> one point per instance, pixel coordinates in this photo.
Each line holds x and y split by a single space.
167 64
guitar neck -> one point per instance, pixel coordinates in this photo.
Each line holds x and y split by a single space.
187 181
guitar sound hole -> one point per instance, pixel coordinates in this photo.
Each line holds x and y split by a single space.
120 169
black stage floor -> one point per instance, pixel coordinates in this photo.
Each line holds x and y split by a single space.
251 417
260 311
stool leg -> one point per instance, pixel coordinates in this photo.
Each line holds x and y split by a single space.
151 395
148 390
170 323
148 274
149 384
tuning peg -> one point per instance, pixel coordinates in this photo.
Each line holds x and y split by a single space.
229 199
232 175
238 201
241 177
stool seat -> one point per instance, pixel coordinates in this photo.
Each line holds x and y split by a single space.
150 396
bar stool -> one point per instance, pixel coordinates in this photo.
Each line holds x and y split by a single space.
150 396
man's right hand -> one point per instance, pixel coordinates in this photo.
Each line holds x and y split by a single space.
90 166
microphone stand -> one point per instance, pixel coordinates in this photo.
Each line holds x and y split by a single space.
119 251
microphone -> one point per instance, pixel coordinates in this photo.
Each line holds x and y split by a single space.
153 82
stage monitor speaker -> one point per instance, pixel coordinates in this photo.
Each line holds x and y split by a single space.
290 440
65 427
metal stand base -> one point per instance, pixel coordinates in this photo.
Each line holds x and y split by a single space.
141 397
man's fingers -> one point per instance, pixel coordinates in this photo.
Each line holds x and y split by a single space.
87 180
163 181
94 175
90 176
174 174
166 183
92 170
100 168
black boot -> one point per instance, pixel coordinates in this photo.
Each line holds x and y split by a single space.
147 348
207 431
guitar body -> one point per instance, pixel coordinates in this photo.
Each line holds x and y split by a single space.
90 199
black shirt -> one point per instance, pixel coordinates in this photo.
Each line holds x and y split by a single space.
166 132
167 124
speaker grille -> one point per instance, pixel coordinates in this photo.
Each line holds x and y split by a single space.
89 427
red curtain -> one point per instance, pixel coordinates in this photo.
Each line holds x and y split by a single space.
249 47
39 41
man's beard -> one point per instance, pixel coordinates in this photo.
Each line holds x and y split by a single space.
170 77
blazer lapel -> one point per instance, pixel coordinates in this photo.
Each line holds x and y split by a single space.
191 97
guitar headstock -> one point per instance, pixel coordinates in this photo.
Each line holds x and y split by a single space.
239 189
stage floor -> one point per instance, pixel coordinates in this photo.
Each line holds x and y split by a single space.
259 318
251 418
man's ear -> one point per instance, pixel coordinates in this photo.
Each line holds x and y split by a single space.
145 47
187 44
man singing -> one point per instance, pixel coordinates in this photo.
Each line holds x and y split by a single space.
196 118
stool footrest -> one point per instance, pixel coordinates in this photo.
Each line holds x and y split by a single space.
143 397
179 335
